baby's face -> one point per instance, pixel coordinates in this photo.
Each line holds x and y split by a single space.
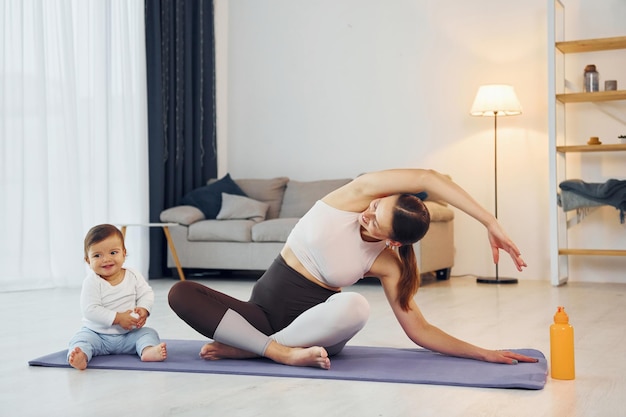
106 257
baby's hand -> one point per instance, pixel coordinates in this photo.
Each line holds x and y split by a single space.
142 315
126 320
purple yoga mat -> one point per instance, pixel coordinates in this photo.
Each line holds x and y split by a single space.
357 363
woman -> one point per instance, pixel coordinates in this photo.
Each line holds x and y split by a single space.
297 314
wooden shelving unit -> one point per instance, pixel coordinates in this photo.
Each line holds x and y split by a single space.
559 148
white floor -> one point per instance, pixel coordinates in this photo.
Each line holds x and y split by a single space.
517 316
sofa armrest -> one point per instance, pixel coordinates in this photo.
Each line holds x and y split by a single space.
182 214
439 212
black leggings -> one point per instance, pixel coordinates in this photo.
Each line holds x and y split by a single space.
278 297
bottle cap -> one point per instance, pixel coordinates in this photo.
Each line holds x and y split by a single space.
590 68
561 315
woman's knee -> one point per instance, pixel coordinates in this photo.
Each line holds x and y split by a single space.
178 295
354 306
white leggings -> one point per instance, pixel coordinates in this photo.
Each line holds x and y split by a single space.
330 324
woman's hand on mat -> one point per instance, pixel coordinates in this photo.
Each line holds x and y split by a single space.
511 358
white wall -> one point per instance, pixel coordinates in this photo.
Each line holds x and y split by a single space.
333 88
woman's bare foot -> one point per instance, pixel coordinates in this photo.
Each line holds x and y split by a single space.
156 353
315 356
78 359
216 350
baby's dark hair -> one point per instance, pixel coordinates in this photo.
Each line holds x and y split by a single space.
100 232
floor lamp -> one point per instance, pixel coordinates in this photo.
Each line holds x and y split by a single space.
496 100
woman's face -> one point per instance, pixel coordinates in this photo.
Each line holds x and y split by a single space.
377 219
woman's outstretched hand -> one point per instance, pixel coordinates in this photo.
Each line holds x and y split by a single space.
499 240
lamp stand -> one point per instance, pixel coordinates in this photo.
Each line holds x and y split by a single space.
497 279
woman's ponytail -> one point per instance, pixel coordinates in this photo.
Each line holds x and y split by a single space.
410 278
410 223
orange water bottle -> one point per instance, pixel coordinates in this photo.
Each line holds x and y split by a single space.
562 346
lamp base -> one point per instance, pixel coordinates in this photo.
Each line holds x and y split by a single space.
496 280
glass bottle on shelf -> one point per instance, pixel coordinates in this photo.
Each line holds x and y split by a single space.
592 79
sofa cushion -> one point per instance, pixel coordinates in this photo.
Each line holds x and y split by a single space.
218 230
274 230
439 212
240 207
181 214
208 198
270 191
300 196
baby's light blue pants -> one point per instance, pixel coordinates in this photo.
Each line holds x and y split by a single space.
98 344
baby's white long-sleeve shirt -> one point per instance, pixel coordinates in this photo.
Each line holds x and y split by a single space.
100 301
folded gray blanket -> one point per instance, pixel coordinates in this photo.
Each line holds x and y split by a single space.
611 192
568 200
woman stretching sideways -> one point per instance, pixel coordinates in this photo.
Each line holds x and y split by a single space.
298 315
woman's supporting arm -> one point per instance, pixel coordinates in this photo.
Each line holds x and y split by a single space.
423 333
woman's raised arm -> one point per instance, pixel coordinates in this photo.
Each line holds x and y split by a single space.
356 196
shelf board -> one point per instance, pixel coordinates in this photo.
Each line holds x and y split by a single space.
592 97
592 148
592 45
593 252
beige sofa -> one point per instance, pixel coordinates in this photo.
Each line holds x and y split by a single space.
251 229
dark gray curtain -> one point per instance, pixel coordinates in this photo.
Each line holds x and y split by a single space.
180 63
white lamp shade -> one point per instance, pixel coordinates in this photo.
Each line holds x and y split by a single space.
495 99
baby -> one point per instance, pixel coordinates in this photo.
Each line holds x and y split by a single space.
115 303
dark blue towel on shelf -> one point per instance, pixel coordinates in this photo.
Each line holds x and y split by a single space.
611 192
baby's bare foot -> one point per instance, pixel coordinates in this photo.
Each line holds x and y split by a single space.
78 359
216 350
156 353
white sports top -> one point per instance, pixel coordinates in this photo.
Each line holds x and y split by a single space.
327 241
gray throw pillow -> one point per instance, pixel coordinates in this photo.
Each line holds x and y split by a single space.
239 207
182 214
269 191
